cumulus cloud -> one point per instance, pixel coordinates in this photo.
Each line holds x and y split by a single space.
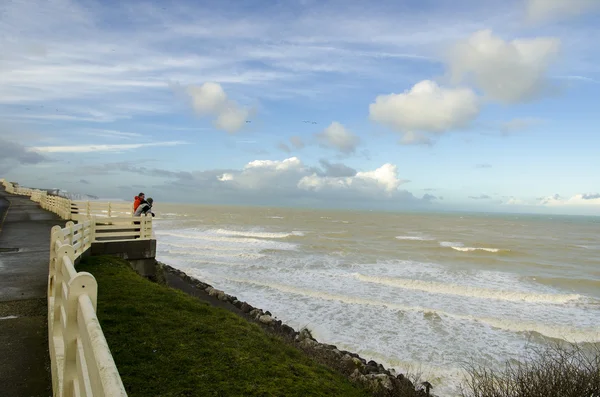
546 10
384 180
337 137
292 180
210 99
425 108
506 71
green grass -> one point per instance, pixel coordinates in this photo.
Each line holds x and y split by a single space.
166 343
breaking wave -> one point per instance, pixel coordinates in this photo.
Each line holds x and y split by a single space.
468 291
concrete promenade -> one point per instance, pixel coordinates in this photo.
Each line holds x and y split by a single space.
24 253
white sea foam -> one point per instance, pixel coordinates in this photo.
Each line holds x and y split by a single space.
274 235
228 240
457 246
415 238
8 317
472 249
275 217
450 244
469 291
567 333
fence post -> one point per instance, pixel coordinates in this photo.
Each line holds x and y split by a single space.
92 219
55 233
71 236
82 283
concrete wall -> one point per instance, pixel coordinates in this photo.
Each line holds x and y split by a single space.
140 253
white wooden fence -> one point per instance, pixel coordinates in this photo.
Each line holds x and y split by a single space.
81 362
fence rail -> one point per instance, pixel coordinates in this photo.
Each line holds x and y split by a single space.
81 362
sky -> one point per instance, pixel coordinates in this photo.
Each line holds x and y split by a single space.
397 105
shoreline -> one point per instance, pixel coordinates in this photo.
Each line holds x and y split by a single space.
374 375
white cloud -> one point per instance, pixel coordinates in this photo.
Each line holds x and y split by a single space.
425 108
293 178
506 71
546 10
582 199
336 136
99 147
383 180
210 99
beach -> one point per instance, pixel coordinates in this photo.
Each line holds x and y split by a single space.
417 292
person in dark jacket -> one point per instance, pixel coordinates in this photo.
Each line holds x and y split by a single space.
145 208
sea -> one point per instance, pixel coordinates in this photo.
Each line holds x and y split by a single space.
425 293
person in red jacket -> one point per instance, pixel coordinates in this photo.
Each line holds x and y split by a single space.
137 200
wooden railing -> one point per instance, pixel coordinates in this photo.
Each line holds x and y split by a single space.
82 364
83 209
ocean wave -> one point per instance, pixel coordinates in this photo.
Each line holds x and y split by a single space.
468 291
415 238
461 247
275 217
472 249
228 240
274 235
239 255
567 333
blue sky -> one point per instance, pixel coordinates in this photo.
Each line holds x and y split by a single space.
395 105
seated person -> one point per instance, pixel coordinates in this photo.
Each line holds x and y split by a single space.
144 208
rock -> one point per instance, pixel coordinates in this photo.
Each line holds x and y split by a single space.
254 312
246 308
357 362
266 319
287 329
209 290
268 313
358 377
371 369
235 302
384 380
304 334
392 372
337 352
308 343
348 363
221 296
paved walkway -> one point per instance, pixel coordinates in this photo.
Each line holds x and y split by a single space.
24 252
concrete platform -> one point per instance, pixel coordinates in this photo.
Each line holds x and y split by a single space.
24 253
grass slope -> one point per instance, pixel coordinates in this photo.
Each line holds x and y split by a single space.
166 343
